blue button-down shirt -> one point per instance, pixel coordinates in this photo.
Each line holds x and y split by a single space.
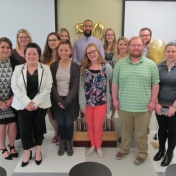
80 46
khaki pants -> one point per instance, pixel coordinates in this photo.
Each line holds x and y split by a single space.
138 121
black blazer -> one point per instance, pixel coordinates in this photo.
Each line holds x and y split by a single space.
72 97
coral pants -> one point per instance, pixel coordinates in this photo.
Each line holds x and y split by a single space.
95 116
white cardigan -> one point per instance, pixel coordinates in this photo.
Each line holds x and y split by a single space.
21 100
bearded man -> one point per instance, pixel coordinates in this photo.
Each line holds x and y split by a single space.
146 34
80 44
134 90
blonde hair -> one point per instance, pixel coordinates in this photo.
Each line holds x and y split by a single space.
113 48
25 32
125 40
86 61
62 30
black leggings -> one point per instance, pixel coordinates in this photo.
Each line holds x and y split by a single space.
28 121
167 130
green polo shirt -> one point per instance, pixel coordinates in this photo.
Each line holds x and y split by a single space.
135 83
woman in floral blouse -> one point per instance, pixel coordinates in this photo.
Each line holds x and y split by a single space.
94 95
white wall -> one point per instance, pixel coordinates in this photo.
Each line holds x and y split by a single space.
158 16
37 16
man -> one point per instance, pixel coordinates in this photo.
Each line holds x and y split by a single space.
146 34
80 45
134 90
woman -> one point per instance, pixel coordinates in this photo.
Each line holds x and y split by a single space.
122 50
7 116
64 95
64 34
49 56
22 39
94 94
166 105
110 45
31 85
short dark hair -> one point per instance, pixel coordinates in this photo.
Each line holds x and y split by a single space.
33 45
172 43
88 20
5 39
146 28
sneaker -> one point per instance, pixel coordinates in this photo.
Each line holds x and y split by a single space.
90 151
139 160
100 153
120 155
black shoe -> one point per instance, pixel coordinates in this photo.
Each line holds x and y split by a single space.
159 155
15 155
167 159
8 157
62 147
38 162
23 164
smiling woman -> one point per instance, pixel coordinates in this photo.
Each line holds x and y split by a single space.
31 84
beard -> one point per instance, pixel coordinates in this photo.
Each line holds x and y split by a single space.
87 34
136 55
147 42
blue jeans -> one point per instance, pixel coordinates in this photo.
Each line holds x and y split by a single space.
65 124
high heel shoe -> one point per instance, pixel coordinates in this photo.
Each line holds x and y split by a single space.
23 164
38 161
15 155
8 157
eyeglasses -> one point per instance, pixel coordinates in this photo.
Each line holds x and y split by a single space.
52 40
92 52
109 35
138 46
23 37
146 35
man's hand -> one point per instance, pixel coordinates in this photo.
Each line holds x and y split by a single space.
116 104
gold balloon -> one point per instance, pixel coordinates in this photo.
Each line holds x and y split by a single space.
156 50
79 28
100 28
97 28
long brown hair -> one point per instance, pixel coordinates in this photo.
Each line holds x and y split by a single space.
47 54
86 61
113 48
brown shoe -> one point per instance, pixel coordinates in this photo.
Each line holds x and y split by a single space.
139 160
120 155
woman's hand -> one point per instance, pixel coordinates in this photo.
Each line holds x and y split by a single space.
31 107
9 102
171 111
158 108
83 111
61 106
3 105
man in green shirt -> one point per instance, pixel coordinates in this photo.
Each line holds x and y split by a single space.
135 88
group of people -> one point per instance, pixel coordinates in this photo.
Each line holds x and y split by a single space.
91 78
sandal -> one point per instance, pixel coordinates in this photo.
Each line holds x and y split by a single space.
58 142
54 140
15 155
8 157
